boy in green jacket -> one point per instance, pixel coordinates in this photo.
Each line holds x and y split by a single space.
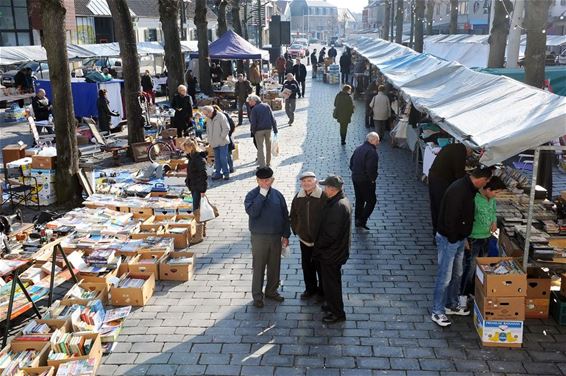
485 224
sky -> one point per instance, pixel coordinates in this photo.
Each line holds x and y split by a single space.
355 6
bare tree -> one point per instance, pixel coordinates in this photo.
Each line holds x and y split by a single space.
202 36
222 25
386 20
129 54
429 16
536 13
498 37
169 16
399 18
453 17
236 20
419 26
54 36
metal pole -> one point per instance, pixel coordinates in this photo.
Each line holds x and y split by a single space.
259 25
9 312
530 213
392 20
412 35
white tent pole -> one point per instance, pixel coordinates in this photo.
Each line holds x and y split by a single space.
514 40
530 212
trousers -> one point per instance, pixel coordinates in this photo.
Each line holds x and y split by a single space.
303 84
448 274
381 128
479 248
290 105
365 200
311 270
332 285
343 132
221 161
263 137
266 254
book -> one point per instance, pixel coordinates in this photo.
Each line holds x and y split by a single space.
83 367
117 314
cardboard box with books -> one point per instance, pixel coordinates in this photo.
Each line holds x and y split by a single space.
132 289
37 332
500 276
23 356
75 347
38 371
81 294
177 266
147 264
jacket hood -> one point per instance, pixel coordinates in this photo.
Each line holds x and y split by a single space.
316 193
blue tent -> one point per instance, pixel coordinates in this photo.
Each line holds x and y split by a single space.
231 46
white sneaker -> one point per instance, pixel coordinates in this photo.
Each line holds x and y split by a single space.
458 311
441 320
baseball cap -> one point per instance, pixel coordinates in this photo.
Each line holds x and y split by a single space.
333 181
307 174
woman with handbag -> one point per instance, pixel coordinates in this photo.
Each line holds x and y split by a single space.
197 182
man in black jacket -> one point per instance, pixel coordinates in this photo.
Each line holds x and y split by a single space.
314 62
300 72
455 223
448 166
306 211
331 247
363 165
345 63
332 53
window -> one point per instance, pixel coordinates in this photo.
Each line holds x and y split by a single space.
437 6
150 35
14 23
463 8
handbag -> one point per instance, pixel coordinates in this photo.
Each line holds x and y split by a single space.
335 114
206 212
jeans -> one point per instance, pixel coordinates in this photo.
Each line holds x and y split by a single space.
448 274
241 105
196 200
263 157
281 77
221 161
365 200
290 105
345 78
479 248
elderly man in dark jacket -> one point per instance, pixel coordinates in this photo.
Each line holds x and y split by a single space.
314 62
300 72
306 211
242 89
331 247
345 63
455 223
363 164
270 231
262 122
343 110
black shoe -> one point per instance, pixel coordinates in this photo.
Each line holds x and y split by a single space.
319 299
232 170
258 303
227 177
216 177
343 143
278 298
332 319
307 295
324 308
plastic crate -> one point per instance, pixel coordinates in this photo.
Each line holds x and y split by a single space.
558 307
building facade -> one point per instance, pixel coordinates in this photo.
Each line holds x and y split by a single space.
317 19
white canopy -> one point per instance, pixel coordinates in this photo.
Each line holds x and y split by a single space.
502 116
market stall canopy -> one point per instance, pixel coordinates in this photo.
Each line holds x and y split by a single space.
555 75
231 46
502 116
23 54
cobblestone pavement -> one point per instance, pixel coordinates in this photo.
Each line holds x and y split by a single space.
207 325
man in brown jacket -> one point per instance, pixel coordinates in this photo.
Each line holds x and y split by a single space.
306 209
242 89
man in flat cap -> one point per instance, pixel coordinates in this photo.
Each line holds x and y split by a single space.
270 231
306 210
331 247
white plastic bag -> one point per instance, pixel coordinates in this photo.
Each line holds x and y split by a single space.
274 145
206 211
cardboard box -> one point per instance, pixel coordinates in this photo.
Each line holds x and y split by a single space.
492 284
538 283
177 272
499 307
148 233
558 307
144 269
180 236
510 246
498 333
95 351
141 213
20 167
43 163
41 347
277 104
36 371
123 208
101 278
13 152
64 327
563 284
134 296
154 222
125 266
191 226
100 288
537 308
43 176
164 211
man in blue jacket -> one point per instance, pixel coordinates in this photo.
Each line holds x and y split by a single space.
262 122
270 231
363 164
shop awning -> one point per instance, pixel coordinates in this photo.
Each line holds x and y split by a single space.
496 113
231 46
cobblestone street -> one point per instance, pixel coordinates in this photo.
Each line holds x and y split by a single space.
208 326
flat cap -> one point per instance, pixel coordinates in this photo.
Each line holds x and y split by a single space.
333 181
307 174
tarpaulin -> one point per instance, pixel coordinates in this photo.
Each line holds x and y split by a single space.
232 46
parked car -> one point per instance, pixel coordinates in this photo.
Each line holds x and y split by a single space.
561 59
296 51
38 70
550 60
313 40
302 41
113 64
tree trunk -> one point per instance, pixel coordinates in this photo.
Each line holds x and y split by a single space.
392 21
222 25
245 24
54 36
453 17
202 33
419 24
169 16
399 17
514 38
129 54
536 13
236 20
498 37
386 20
429 16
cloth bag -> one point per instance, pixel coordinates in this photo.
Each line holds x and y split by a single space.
206 212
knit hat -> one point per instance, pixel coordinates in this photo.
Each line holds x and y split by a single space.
264 173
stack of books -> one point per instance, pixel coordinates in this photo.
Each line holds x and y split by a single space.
11 362
83 367
131 282
62 312
101 257
68 345
79 293
34 328
180 260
